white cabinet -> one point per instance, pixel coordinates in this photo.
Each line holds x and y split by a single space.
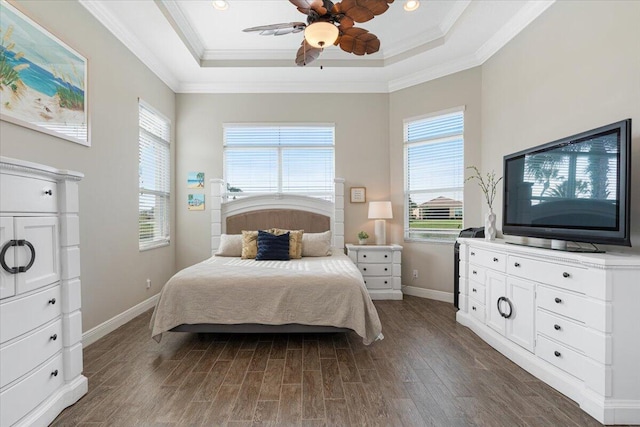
40 317
381 268
570 319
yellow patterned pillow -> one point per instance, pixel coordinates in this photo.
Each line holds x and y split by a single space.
249 244
295 241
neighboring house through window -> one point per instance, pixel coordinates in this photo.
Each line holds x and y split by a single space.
434 175
154 178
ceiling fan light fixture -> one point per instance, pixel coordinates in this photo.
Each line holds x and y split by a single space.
220 4
411 5
321 34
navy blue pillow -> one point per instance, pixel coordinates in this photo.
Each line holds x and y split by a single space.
272 247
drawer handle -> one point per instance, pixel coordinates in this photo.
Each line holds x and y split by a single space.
502 313
385 282
473 308
53 337
54 373
566 275
21 269
386 269
517 264
474 290
48 192
386 256
365 269
364 256
557 327
557 353
473 253
557 300
495 259
475 272
52 301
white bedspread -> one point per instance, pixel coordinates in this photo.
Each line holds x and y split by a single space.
327 291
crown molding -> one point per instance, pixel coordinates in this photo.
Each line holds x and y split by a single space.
452 17
285 87
113 25
435 72
177 19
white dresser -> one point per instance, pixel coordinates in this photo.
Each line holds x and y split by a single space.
40 318
572 320
381 268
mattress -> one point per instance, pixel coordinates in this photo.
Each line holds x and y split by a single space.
319 291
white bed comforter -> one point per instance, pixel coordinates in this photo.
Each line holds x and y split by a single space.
327 291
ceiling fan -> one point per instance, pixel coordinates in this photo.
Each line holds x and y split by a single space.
329 23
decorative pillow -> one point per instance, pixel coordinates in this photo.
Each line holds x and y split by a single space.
230 245
249 244
316 244
295 241
272 247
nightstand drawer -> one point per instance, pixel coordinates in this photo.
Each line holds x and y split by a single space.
371 256
378 282
375 269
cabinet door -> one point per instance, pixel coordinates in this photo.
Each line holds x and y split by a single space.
42 233
495 288
7 280
520 325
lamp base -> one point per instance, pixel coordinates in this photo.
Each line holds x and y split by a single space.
381 232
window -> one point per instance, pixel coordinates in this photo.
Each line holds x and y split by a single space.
261 159
434 176
154 176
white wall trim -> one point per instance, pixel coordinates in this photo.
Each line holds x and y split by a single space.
94 334
428 293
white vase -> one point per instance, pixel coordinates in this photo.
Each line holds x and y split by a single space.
362 241
490 226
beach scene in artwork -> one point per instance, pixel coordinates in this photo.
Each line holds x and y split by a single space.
195 180
42 82
195 202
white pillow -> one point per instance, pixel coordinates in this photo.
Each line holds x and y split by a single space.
316 244
230 245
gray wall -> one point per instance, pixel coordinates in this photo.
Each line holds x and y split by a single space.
113 271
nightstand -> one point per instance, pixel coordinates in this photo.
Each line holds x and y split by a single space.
381 268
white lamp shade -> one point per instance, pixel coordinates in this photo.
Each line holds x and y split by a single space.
380 210
321 34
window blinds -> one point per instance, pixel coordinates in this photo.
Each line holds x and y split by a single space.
262 159
154 178
434 180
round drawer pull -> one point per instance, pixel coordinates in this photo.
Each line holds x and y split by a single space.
385 282
557 300
53 337
364 256
473 308
557 327
475 272
517 264
495 260
566 275
365 282
474 290
54 373
52 301
365 269
386 269
557 353
48 192
473 253
386 256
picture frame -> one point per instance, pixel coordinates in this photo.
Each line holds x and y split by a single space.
44 81
195 180
358 195
195 202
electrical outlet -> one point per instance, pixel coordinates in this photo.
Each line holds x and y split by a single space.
415 274
148 283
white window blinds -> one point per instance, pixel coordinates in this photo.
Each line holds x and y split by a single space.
261 159
154 178
434 176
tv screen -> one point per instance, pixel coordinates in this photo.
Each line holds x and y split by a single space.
575 189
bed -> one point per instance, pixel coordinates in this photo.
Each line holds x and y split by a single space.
230 294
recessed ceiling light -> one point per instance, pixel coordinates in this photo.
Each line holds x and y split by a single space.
410 5
222 4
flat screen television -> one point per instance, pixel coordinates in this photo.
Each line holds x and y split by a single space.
573 189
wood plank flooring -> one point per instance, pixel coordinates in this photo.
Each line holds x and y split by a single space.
428 371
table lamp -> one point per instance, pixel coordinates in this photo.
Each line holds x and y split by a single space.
380 211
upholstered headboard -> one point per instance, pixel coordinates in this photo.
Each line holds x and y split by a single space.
292 212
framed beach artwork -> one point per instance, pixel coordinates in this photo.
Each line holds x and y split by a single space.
195 202
42 80
195 180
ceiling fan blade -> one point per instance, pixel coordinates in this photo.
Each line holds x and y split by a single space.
307 54
277 29
362 10
305 5
345 23
359 41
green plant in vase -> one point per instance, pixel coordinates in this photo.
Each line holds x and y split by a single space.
362 237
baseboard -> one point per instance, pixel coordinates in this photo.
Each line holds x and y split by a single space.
94 334
428 293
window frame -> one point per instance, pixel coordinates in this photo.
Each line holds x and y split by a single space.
448 236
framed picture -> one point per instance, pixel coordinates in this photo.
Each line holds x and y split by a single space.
195 180
358 195
195 202
43 80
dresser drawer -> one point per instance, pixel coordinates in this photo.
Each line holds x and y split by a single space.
476 273
477 292
378 282
560 356
42 307
565 276
20 194
17 400
20 357
476 310
561 302
493 260
375 269
561 329
371 256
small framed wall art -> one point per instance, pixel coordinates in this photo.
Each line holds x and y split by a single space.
195 202
358 194
195 180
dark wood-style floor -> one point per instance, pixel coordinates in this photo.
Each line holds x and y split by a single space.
428 370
